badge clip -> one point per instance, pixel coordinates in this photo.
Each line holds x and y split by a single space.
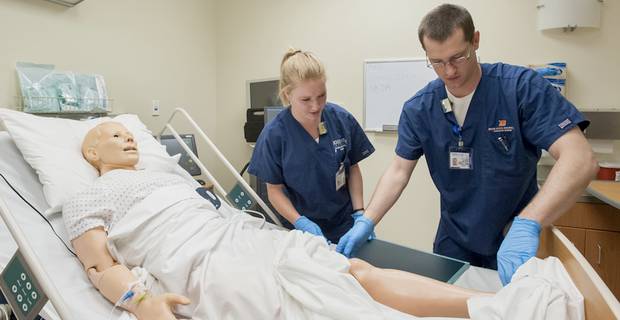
447 105
322 128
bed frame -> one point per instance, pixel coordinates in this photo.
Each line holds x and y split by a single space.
220 156
599 301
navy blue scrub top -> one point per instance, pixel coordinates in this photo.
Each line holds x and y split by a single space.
286 153
513 114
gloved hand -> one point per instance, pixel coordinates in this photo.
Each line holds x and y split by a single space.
360 213
304 224
353 239
520 244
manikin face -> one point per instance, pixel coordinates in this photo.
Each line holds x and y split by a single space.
110 146
454 60
307 100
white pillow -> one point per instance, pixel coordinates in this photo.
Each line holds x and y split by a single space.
52 147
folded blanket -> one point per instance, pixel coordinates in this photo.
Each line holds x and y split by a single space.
540 289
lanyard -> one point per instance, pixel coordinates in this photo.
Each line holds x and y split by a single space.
456 129
446 104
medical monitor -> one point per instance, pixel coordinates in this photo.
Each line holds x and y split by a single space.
174 147
263 93
271 112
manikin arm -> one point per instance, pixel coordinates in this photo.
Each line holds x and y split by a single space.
571 174
113 279
389 188
356 187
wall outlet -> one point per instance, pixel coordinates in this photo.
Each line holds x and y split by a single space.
156 108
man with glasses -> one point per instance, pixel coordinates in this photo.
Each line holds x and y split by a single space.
482 128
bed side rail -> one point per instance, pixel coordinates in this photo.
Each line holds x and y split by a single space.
219 154
34 263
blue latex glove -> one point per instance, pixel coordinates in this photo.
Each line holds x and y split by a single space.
520 244
353 239
304 224
360 213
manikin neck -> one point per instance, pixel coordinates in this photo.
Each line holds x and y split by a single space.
105 168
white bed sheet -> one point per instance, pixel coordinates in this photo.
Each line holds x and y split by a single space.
65 270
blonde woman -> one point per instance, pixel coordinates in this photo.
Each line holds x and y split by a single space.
309 155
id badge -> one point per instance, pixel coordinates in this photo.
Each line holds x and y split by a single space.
461 158
341 177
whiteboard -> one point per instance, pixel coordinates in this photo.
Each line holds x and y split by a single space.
387 85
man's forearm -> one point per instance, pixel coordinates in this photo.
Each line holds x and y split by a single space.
389 188
570 175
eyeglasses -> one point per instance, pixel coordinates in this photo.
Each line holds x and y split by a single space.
454 61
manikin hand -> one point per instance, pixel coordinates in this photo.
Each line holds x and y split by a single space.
159 307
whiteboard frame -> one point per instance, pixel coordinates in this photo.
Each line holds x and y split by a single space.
384 60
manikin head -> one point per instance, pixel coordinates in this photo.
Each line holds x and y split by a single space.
110 146
302 85
448 36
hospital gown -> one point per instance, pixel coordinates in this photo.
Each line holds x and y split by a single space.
226 264
110 197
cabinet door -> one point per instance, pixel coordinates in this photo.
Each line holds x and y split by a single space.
576 236
591 216
603 253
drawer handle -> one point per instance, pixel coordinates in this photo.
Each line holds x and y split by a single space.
599 253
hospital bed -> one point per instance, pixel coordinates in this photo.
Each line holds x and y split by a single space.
73 297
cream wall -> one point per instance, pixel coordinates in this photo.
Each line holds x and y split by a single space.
253 35
146 50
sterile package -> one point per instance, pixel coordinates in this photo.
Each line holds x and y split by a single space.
93 94
45 90
555 73
66 91
37 93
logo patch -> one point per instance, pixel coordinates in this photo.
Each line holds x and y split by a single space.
502 126
340 144
564 123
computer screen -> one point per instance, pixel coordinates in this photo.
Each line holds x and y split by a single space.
263 93
174 147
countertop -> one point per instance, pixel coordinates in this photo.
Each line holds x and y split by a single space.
606 191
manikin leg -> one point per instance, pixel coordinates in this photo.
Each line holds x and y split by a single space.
412 293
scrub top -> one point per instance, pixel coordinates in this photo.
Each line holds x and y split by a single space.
286 153
513 114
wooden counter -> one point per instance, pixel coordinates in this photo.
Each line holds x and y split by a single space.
606 191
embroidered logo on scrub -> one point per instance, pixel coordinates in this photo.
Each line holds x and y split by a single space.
501 126
340 144
564 123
